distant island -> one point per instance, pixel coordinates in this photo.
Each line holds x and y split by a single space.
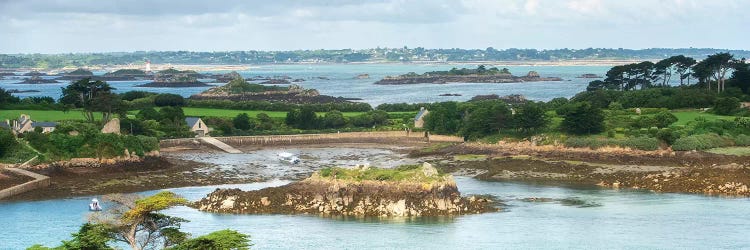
172 78
241 90
410 190
37 80
479 75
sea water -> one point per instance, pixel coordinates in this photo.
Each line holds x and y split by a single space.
621 219
341 80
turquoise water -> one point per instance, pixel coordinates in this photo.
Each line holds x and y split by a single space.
343 83
621 219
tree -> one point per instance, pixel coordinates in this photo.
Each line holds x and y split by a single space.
485 118
741 76
264 122
219 240
581 118
89 237
7 98
136 220
334 119
172 115
715 66
444 118
148 114
530 117
683 65
162 100
91 96
242 121
307 118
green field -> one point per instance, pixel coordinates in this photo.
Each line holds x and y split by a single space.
55 115
683 117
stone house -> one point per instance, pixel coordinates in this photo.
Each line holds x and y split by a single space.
419 119
197 126
24 124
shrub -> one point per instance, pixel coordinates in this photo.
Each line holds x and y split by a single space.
163 100
700 142
742 140
582 118
726 105
7 141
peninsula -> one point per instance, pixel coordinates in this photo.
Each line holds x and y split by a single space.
479 75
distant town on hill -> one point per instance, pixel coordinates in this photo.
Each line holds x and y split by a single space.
404 54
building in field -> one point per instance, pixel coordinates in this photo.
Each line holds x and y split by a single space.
24 124
419 119
197 126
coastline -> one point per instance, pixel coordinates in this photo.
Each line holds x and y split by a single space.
658 171
245 67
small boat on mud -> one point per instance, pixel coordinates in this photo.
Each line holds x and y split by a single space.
287 157
94 205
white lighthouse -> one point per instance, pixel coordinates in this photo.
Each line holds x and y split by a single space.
148 65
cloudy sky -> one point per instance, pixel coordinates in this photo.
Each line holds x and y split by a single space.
55 26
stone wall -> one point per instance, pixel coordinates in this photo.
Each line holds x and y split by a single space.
352 137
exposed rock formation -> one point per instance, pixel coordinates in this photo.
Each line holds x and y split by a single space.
113 126
37 80
330 194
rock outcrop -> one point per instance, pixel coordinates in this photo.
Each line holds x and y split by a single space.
329 195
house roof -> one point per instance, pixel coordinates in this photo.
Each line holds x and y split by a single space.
420 114
191 121
43 124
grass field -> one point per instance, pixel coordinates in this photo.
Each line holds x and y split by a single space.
54 115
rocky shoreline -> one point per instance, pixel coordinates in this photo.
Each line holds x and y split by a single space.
331 196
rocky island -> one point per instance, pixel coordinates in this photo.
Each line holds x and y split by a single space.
410 190
172 78
240 90
37 80
479 75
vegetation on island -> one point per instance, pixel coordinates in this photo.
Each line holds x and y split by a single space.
403 173
481 70
138 222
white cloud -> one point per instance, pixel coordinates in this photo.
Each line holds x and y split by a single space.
92 25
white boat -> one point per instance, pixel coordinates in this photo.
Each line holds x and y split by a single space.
94 205
288 158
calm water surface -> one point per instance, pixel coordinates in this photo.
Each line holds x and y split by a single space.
623 219
343 83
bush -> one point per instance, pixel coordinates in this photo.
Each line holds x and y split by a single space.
163 100
700 142
7 141
582 118
742 140
726 105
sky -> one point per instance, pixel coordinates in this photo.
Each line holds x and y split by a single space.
65 26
